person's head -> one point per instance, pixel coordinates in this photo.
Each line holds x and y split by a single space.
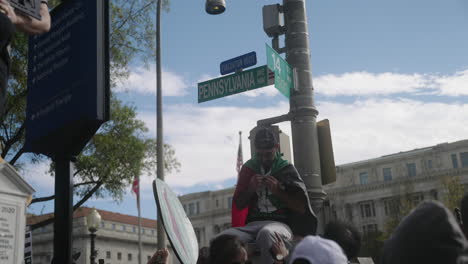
429 234
227 249
266 146
317 250
346 235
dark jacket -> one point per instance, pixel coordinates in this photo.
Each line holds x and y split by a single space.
286 174
429 234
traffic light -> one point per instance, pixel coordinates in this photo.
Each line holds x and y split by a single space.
327 159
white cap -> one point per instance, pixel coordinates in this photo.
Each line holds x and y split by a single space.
319 250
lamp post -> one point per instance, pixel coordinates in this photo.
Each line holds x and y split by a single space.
93 220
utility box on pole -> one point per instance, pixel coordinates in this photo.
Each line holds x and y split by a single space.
285 145
273 20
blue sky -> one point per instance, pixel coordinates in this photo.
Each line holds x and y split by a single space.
389 75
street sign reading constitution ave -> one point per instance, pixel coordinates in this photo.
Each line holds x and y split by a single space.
238 63
233 84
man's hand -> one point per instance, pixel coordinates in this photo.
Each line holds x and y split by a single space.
160 257
256 181
8 10
278 249
273 184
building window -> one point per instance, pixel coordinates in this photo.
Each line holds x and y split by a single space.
216 229
429 164
417 199
390 207
108 254
152 232
119 256
134 229
124 228
411 167
387 174
349 212
464 159
198 208
367 209
191 209
143 231
113 226
454 161
230 202
129 257
103 224
372 228
364 177
185 208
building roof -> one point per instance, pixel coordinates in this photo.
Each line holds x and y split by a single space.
105 215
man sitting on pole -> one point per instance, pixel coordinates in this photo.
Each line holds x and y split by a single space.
270 199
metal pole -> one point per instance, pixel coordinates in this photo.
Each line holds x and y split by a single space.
302 108
159 129
92 256
63 207
140 257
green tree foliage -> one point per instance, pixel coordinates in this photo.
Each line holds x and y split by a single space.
121 149
453 191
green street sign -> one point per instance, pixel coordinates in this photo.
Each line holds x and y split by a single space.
283 71
233 84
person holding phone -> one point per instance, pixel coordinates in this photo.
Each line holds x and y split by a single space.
270 201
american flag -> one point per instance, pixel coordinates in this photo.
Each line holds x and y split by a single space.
136 190
240 160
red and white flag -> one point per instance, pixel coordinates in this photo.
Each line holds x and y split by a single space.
136 190
240 160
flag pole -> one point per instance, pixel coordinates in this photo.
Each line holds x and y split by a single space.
139 223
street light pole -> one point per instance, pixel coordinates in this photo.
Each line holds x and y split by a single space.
93 220
92 256
302 109
159 120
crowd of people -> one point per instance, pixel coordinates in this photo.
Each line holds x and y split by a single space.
271 212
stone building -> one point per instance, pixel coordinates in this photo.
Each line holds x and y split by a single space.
116 239
364 192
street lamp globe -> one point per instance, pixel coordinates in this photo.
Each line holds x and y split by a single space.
215 7
94 220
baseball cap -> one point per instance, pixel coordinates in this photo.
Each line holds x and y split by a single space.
265 138
318 250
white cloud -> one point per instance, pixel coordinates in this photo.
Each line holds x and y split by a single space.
454 85
206 138
372 128
37 175
388 83
365 83
143 80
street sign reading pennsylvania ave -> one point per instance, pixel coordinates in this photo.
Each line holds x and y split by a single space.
238 63
233 84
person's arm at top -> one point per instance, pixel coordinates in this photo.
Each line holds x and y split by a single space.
33 26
